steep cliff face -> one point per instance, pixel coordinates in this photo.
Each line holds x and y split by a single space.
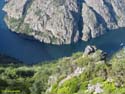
64 21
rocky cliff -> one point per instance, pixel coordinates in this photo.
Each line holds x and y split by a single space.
64 21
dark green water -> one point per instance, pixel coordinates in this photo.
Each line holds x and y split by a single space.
32 51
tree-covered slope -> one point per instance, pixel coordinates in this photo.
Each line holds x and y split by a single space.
78 74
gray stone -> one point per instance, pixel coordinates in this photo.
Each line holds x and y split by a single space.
89 49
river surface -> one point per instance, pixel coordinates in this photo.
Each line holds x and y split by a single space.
32 51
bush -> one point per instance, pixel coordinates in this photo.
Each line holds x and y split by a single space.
68 87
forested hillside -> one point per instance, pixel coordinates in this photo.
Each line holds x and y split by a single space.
78 74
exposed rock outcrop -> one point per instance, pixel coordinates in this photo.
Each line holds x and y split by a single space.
64 21
97 89
96 54
90 49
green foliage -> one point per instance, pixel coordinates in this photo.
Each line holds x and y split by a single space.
118 67
37 79
69 87
109 87
25 73
97 80
84 85
38 87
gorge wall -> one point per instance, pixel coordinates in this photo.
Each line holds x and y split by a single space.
64 21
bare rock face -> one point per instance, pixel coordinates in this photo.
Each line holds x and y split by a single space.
50 21
14 8
90 49
92 27
64 21
55 22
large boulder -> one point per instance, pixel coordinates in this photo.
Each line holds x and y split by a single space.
90 49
